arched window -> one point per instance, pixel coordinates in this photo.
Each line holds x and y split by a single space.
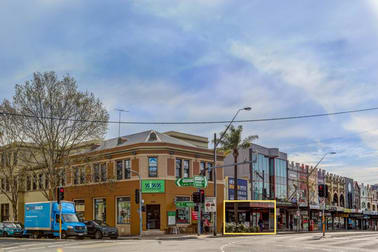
373 207
342 200
335 200
363 205
368 205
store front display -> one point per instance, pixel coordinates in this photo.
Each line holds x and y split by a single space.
100 210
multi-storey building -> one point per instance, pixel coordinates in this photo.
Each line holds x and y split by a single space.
103 179
268 173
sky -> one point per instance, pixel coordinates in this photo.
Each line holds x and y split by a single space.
196 60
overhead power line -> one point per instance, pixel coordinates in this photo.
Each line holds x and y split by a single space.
198 122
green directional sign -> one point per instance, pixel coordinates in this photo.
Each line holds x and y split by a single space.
184 204
200 181
185 182
197 181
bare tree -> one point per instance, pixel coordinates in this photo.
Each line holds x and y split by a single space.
55 117
12 172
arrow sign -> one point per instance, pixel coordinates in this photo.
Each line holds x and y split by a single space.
184 182
197 181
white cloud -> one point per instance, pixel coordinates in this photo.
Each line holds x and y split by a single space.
368 124
303 70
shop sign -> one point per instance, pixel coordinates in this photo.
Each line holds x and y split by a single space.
184 204
242 189
210 205
370 212
171 218
347 210
153 186
194 216
284 203
314 207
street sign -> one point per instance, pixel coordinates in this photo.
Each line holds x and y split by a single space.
200 181
196 181
184 182
184 204
210 205
171 218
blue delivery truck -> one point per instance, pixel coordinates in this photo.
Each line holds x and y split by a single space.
42 219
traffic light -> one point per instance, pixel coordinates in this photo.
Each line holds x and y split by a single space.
321 190
202 196
137 196
60 194
326 191
196 197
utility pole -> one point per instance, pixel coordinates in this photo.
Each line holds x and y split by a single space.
308 174
215 184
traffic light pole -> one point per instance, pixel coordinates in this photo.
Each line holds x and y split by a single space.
140 203
199 216
324 203
60 220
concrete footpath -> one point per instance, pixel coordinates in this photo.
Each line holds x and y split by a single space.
208 236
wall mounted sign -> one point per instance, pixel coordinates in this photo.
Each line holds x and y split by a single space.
153 186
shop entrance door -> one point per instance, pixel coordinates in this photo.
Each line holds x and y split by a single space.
153 216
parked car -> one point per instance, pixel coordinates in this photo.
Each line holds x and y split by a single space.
97 229
11 229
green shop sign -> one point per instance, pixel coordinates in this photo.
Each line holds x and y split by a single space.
153 186
184 204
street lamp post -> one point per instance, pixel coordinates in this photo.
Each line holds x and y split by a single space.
215 163
308 188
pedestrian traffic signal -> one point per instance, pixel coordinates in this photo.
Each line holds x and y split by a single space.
60 194
326 191
321 190
196 197
137 196
202 196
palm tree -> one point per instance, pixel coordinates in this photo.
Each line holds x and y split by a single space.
232 142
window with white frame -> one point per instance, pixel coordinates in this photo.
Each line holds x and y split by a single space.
186 169
40 181
99 172
203 168
209 171
178 168
152 167
78 175
34 182
123 168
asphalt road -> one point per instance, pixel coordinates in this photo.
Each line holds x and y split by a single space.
364 241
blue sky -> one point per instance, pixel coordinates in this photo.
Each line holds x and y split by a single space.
202 60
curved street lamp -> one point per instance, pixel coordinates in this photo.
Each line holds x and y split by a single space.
215 162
